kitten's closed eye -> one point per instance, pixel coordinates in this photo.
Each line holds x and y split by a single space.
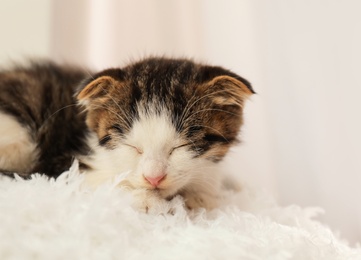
216 138
179 146
140 151
113 132
105 140
137 149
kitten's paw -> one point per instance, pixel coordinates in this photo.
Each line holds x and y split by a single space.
195 201
147 201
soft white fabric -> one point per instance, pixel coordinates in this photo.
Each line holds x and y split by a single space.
41 219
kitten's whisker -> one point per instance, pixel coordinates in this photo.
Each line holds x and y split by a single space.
57 111
71 105
127 124
119 107
186 111
204 184
88 72
198 176
214 109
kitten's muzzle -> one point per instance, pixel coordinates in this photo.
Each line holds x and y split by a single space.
155 181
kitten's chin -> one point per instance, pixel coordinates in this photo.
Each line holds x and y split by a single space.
167 193
163 192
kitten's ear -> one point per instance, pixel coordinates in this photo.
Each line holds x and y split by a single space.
229 90
96 89
100 85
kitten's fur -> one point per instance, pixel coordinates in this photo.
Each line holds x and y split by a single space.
166 122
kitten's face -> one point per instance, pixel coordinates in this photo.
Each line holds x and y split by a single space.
165 121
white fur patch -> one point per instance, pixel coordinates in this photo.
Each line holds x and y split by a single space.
17 149
151 149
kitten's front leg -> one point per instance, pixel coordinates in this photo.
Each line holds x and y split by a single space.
200 199
205 193
149 201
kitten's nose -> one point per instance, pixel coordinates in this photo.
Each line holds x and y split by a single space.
154 180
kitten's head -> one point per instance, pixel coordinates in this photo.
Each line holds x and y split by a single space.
164 120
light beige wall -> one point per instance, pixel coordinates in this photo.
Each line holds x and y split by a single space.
25 29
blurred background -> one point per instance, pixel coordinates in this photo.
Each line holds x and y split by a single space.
302 134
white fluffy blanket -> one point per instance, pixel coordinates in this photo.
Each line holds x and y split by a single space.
41 219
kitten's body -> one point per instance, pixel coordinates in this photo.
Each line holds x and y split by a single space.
167 122
37 103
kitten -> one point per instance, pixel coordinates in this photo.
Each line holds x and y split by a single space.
167 122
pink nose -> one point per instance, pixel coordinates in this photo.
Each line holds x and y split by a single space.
154 181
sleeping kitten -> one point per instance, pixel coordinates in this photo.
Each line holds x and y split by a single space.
166 122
